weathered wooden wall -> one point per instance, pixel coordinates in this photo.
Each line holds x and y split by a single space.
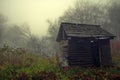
106 59
63 52
86 52
79 53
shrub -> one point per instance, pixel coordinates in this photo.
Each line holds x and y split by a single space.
18 64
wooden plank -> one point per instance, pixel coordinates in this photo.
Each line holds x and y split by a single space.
77 58
80 57
80 63
80 54
78 51
105 53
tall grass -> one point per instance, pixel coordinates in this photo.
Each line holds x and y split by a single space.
18 64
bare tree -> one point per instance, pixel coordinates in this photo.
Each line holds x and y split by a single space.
84 12
34 44
3 24
53 30
114 17
17 36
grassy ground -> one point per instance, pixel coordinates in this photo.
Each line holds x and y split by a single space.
17 64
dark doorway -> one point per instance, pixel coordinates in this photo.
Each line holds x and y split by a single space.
95 53
79 53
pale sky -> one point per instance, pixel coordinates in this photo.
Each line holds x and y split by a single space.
34 12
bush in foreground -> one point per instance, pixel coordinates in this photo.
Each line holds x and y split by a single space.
17 64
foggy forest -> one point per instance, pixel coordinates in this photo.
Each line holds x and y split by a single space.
25 56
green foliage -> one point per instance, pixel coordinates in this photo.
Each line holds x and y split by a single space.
35 67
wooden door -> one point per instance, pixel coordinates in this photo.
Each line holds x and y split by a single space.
95 53
79 53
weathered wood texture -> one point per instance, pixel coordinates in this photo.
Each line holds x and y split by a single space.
84 45
79 53
106 59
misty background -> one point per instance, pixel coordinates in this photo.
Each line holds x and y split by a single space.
33 24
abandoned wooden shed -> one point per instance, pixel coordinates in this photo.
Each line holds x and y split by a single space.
84 45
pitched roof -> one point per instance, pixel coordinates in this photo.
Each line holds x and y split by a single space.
82 30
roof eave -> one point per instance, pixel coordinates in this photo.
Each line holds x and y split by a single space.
92 36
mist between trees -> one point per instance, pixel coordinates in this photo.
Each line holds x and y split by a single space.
19 36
